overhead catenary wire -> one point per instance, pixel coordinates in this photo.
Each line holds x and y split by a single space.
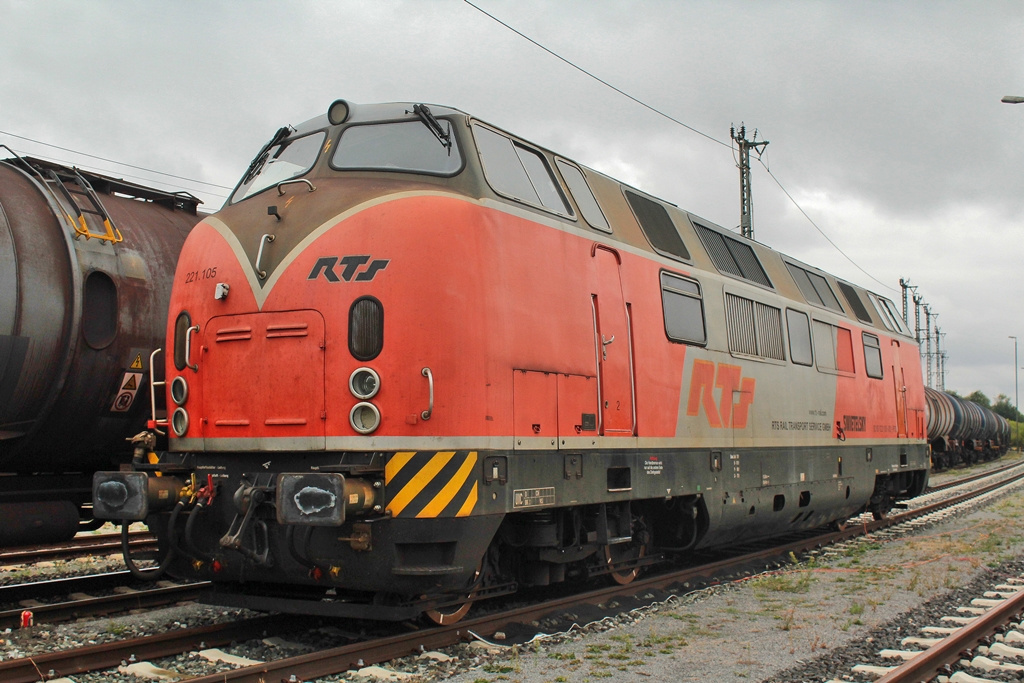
818 228
113 161
598 79
676 121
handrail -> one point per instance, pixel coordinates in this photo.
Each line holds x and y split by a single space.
430 380
155 423
265 240
293 181
188 348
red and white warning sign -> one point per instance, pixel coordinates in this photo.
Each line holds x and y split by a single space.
126 394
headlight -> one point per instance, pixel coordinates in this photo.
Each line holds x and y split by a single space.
364 383
364 417
179 390
179 421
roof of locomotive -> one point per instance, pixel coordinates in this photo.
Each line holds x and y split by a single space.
366 113
392 111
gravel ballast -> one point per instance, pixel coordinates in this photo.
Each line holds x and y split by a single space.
808 621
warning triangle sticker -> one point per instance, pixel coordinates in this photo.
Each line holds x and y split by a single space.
130 384
137 363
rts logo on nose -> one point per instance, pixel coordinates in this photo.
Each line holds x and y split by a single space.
350 266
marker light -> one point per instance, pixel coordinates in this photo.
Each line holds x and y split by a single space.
179 390
364 417
179 421
364 383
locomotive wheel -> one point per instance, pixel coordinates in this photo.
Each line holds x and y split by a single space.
881 510
448 615
624 552
451 614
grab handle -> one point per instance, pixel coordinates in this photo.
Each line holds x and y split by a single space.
264 241
430 380
188 348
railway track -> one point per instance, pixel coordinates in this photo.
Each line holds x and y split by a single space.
961 646
77 597
378 649
972 476
80 546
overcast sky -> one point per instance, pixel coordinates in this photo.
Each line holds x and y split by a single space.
883 118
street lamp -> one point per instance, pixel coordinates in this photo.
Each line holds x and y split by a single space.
1016 391
1012 99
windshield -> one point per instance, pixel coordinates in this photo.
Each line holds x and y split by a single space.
283 161
406 146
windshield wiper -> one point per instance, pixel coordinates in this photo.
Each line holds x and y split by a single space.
445 138
257 163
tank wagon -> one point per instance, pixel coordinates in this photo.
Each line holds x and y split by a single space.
962 431
86 264
417 361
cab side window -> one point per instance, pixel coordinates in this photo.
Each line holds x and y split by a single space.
516 171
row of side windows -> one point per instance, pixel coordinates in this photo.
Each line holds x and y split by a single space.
522 173
755 329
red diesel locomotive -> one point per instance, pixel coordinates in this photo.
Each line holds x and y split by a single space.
416 361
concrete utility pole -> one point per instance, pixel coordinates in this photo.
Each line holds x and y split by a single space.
746 200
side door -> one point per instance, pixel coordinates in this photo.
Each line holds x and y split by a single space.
900 389
614 347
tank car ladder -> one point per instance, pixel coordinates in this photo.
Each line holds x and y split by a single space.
81 226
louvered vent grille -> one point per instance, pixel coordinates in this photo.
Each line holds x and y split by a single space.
733 257
755 329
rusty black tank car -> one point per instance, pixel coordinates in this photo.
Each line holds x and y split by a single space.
86 263
417 360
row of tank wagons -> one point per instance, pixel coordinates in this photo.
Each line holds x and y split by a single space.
961 432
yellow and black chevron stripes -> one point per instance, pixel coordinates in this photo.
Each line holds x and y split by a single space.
426 485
